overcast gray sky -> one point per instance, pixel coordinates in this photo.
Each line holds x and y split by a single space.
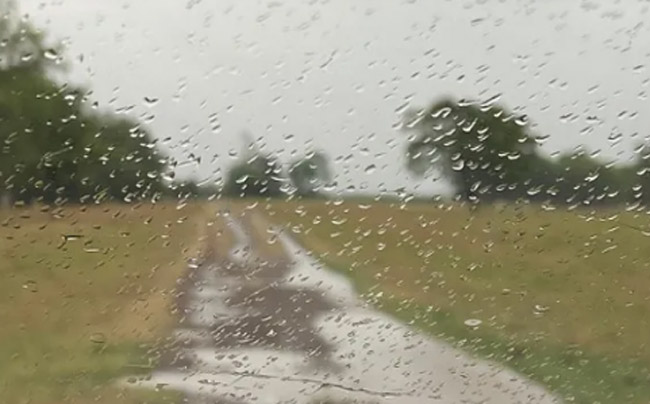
334 75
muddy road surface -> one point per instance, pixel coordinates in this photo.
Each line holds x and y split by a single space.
290 331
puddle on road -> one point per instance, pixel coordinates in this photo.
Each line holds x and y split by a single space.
300 333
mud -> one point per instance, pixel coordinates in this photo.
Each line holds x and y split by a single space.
253 331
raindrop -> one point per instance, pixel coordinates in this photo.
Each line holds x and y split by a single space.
491 101
150 101
458 165
593 177
98 338
615 137
402 108
521 120
51 54
540 309
534 191
473 322
339 221
541 139
31 286
370 169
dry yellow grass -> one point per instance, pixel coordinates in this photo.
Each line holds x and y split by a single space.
556 284
87 294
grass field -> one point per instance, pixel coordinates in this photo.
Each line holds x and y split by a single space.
87 295
562 296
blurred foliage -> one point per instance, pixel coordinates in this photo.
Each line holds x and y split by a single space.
55 147
489 153
255 175
309 174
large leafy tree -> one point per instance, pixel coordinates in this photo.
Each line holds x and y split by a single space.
53 146
486 151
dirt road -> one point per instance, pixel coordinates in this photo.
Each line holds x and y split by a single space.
290 331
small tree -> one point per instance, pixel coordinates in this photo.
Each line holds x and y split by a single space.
310 174
257 175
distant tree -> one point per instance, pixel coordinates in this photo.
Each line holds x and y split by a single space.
580 179
255 175
641 175
53 146
308 175
486 151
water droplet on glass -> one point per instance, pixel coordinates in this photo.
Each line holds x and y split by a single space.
30 286
540 309
150 101
98 338
458 165
51 54
370 169
473 322
521 120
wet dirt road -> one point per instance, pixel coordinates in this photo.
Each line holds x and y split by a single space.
294 332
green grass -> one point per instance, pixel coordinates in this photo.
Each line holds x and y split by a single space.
563 296
78 313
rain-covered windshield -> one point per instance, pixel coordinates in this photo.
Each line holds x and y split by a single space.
324 201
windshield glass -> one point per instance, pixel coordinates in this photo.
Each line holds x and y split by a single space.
324 202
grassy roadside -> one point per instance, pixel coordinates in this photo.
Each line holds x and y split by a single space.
561 296
87 295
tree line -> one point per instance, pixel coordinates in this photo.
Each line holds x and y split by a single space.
485 151
258 174
55 147
489 153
